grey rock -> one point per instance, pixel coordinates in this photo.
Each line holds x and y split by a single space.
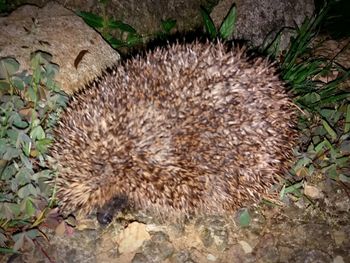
61 33
258 19
255 19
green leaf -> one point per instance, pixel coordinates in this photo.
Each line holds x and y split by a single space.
4 85
133 39
51 71
27 207
116 24
329 130
12 135
8 67
303 162
293 188
39 58
43 174
331 115
9 171
25 160
19 241
91 19
26 143
311 169
18 83
209 24
310 98
27 190
37 133
31 94
228 25
43 144
11 153
35 122
168 25
23 177
331 171
3 143
343 161
347 119
244 218
32 233
18 122
33 190
344 178
321 147
59 100
9 210
17 102
4 250
27 79
116 43
334 98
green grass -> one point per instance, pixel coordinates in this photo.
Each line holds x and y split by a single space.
325 116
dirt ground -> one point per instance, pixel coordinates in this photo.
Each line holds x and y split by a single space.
309 230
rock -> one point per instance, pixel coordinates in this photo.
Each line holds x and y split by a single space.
158 249
80 51
313 192
139 258
182 257
339 237
213 232
311 256
132 237
246 247
257 19
211 257
338 259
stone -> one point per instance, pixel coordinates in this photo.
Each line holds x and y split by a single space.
79 51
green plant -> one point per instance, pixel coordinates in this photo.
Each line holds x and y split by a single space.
108 27
105 25
326 107
328 146
29 107
325 121
302 71
227 26
5 6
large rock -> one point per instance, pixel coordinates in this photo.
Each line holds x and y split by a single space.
258 19
80 51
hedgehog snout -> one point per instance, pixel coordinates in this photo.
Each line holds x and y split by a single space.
106 213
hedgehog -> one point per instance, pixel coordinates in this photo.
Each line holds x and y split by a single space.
187 128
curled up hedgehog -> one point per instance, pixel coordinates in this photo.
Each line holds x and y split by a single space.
191 128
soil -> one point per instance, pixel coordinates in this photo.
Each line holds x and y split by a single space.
308 230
